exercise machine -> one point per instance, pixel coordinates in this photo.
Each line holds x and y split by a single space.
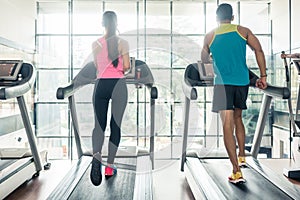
295 120
293 173
204 169
17 165
134 178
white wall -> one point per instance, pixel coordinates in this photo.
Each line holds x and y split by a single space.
280 18
295 24
281 143
17 18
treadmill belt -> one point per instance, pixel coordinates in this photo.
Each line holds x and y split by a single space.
120 186
256 186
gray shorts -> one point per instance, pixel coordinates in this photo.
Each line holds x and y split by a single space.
229 97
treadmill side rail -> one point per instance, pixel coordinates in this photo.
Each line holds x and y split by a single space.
71 179
279 181
202 185
26 172
143 179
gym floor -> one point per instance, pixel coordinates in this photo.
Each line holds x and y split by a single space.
168 182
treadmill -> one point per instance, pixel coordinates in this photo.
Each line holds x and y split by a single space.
17 165
134 178
204 169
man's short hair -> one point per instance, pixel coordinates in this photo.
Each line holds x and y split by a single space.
224 12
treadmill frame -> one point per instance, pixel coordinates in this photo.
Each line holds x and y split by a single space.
33 166
192 176
143 182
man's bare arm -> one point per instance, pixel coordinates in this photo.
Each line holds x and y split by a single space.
205 58
254 43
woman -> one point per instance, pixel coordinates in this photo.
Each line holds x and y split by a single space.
111 59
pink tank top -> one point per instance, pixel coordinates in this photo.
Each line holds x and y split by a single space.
105 67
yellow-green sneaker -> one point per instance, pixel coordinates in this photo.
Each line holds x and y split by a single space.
236 178
242 161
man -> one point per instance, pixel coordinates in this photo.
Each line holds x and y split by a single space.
227 44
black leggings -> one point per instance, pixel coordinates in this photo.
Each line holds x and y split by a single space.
106 89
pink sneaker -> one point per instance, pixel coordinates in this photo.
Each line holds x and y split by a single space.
110 171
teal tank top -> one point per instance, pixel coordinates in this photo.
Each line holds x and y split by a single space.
228 49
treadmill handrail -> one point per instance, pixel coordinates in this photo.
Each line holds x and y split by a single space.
271 90
23 86
88 76
189 91
67 91
192 80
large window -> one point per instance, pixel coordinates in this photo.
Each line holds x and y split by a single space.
167 35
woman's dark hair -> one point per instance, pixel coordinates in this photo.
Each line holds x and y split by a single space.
109 21
224 12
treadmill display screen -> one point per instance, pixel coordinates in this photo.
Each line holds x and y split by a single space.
9 70
6 69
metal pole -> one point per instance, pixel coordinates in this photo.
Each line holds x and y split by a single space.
75 125
260 126
152 126
29 132
185 131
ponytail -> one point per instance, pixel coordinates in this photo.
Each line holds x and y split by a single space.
109 21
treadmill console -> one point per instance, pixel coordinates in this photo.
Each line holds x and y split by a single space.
206 72
10 72
9 69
